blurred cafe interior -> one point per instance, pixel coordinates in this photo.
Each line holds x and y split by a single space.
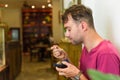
28 28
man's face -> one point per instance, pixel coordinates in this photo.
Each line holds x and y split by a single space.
73 31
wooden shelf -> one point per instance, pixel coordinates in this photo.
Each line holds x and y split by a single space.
49 25
32 20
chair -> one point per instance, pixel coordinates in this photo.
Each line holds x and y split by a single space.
33 52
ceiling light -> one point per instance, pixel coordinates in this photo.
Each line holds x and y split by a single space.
43 6
6 5
49 5
33 6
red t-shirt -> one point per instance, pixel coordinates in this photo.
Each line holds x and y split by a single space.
104 58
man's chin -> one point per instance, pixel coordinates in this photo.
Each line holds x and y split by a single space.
73 43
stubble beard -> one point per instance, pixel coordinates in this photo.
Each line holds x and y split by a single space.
74 42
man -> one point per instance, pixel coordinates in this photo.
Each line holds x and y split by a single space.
97 53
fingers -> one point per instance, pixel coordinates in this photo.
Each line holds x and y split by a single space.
61 73
54 47
66 63
55 50
58 52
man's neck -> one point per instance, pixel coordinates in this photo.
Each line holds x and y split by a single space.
92 40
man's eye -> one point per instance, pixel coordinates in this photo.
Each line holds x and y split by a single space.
69 29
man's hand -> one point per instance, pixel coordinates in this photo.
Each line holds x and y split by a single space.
70 71
58 52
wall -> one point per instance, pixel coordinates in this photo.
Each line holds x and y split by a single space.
57 25
0 13
12 16
106 17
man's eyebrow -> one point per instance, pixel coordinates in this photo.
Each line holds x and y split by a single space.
66 27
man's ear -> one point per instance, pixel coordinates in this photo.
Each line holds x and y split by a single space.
84 25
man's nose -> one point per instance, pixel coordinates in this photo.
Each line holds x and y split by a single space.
67 34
